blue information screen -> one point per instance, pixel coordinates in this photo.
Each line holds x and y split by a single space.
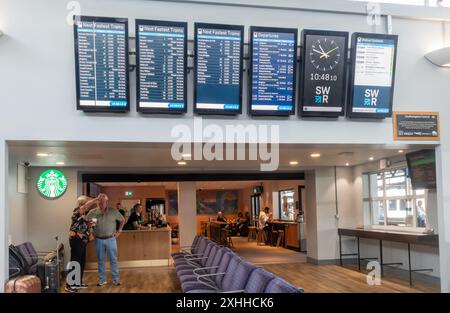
101 63
373 75
218 70
161 69
273 72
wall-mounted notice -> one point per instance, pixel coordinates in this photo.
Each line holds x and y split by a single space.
161 49
324 57
273 66
416 126
218 69
372 76
101 61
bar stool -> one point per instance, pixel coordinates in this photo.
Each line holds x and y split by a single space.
273 236
261 237
280 238
252 233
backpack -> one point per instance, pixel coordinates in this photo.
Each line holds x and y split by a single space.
17 263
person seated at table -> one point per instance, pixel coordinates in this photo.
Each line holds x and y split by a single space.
221 217
242 224
135 220
264 217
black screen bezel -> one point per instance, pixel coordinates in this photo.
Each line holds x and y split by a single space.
216 111
160 110
324 33
84 18
250 71
350 114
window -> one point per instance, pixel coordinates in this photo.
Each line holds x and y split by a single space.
389 199
287 210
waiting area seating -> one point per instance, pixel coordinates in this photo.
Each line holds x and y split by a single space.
207 267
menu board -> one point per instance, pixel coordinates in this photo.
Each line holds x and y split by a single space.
273 71
324 57
372 76
161 49
218 69
101 63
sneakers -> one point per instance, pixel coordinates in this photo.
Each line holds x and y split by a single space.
116 283
70 289
101 283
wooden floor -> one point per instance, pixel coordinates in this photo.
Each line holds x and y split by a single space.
287 264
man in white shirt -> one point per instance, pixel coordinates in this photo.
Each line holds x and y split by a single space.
264 217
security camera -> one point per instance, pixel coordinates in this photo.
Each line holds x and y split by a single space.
26 163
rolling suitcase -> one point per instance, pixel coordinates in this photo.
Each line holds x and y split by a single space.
24 284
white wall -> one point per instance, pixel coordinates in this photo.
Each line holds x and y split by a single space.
17 206
50 218
187 212
37 52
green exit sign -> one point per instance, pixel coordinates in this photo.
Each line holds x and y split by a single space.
128 193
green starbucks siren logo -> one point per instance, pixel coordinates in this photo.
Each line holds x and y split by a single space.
52 184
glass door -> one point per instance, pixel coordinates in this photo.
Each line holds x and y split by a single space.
287 205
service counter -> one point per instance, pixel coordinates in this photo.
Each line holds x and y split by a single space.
138 248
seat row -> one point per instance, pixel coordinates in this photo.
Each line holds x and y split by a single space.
206 267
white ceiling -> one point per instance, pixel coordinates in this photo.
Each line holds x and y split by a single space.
157 157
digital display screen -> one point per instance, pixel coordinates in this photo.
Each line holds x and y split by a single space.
218 69
422 169
101 61
373 70
161 49
273 71
324 57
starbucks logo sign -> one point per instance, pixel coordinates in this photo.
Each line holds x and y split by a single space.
51 184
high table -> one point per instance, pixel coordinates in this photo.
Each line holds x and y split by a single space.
138 248
385 235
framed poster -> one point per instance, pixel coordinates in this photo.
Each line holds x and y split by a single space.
416 126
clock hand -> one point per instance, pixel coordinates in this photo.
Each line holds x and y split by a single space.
321 49
315 50
326 54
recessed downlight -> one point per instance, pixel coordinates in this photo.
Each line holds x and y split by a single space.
347 164
400 151
186 155
42 154
60 163
293 163
181 163
315 155
371 158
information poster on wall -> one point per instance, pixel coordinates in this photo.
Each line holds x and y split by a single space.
101 63
372 77
273 65
416 126
324 56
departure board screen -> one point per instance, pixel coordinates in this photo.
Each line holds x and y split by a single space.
324 80
218 69
273 71
372 76
161 49
101 61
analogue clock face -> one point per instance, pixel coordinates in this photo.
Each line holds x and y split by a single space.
325 54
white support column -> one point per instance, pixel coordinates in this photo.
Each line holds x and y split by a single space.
187 212
3 216
443 199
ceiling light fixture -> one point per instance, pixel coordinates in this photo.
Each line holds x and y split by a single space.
439 57
371 158
293 163
315 155
186 155
400 151
42 154
347 164
181 163
60 163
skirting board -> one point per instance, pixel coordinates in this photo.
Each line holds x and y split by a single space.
140 263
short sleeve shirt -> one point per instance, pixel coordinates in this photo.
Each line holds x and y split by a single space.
106 222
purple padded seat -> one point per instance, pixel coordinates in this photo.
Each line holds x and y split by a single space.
200 262
279 285
258 280
192 248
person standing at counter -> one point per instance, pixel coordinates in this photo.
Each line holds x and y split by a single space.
105 238
221 217
135 220
264 217
79 237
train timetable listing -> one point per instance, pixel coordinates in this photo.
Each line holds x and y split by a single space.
161 70
102 65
